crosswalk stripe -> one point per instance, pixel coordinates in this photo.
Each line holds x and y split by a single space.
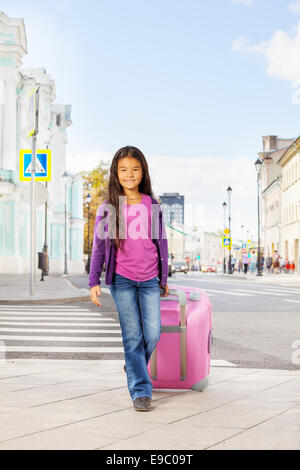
239 294
262 292
48 317
105 323
275 289
73 339
58 329
43 307
116 329
66 349
292 301
38 306
53 310
276 294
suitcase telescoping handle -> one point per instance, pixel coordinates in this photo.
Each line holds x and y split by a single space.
153 361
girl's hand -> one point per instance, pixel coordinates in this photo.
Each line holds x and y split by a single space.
166 289
94 292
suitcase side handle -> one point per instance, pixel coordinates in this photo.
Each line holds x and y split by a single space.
180 294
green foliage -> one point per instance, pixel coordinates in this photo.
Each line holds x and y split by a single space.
95 183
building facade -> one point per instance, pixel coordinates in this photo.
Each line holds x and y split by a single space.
271 192
290 238
16 84
172 205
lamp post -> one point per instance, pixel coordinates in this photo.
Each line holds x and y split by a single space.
229 191
87 203
45 247
258 166
224 260
65 178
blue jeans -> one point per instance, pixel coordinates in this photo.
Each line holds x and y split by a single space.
138 305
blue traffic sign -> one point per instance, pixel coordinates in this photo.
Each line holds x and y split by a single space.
42 165
226 241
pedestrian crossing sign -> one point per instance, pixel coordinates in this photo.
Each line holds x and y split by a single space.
226 241
42 165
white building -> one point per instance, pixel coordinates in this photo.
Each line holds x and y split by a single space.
54 119
271 192
290 165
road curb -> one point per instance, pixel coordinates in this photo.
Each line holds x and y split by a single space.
84 298
230 276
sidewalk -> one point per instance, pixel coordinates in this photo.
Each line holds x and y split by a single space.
47 404
14 289
86 405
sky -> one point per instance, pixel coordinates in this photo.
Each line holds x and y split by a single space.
195 84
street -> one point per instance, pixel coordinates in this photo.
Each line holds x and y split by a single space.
254 325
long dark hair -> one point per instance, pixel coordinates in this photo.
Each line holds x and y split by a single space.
115 190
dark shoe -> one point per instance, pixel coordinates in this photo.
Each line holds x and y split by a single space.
142 404
125 367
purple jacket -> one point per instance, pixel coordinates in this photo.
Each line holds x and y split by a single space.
105 251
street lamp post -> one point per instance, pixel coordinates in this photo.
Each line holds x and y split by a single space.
224 261
258 165
65 178
45 247
87 201
229 191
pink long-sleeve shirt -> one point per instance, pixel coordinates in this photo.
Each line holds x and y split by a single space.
139 259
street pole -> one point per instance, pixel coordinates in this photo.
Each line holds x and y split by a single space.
224 260
35 131
45 247
89 261
229 191
258 165
66 257
32 217
65 179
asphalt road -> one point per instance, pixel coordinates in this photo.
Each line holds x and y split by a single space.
254 325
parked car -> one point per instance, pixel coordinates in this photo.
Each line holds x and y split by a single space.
180 267
170 271
209 269
171 267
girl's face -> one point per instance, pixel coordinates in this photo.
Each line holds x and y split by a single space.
130 173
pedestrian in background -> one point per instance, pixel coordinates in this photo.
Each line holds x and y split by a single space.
240 265
292 267
229 265
245 262
253 261
262 262
136 265
269 262
281 264
276 263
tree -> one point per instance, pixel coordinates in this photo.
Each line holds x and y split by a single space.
95 183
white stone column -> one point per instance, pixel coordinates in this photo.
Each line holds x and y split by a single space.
9 157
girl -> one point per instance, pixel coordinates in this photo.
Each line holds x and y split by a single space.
136 263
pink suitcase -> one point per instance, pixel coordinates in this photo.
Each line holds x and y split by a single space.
181 358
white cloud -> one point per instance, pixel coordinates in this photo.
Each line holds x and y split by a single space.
281 52
85 162
203 181
295 7
244 2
